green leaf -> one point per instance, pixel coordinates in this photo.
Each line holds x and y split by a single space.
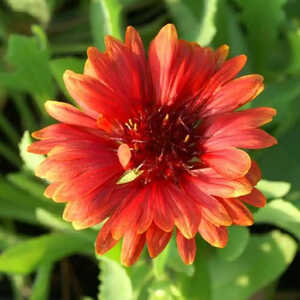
238 238
281 163
29 184
230 32
28 255
282 214
175 262
129 175
106 18
200 278
31 161
36 8
60 65
294 43
265 259
283 96
273 189
159 263
41 287
32 73
262 23
115 283
17 204
195 19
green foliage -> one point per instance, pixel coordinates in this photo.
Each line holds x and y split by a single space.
28 255
31 161
274 189
195 19
40 39
36 8
32 73
282 214
264 259
115 283
60 65
238 238
106 18
263 27
41 287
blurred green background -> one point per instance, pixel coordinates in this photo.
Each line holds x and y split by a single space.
42 257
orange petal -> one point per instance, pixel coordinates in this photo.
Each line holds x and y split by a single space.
254 174
233 95
94 97
226 73
104 242
248 139
255 198
239 213
186 248
214 235
132 247
67 113
157 240
221 55
231 163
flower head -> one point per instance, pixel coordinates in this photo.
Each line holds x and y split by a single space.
155 145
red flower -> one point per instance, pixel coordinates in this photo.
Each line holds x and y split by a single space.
170 121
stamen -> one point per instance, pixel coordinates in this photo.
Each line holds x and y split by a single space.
187 137
165 120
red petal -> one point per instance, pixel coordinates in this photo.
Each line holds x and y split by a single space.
249 139
233 95
186 248
157 240
96 98
96 206
254 174
211 183
132 247
239 213
226 73
51 188
175 66
186 214
104 242
128 216
255 198
221 55
231 163
162 52
67 113
216 236
233 122
210 206
163 214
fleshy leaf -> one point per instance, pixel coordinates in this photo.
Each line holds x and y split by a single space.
265 259
196 19
274 189
36 8
115 283
238 238
31 161
28 255
106 18
282 214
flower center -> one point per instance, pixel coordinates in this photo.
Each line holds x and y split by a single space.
163 143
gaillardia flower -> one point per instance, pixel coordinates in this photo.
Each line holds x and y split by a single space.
155 145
